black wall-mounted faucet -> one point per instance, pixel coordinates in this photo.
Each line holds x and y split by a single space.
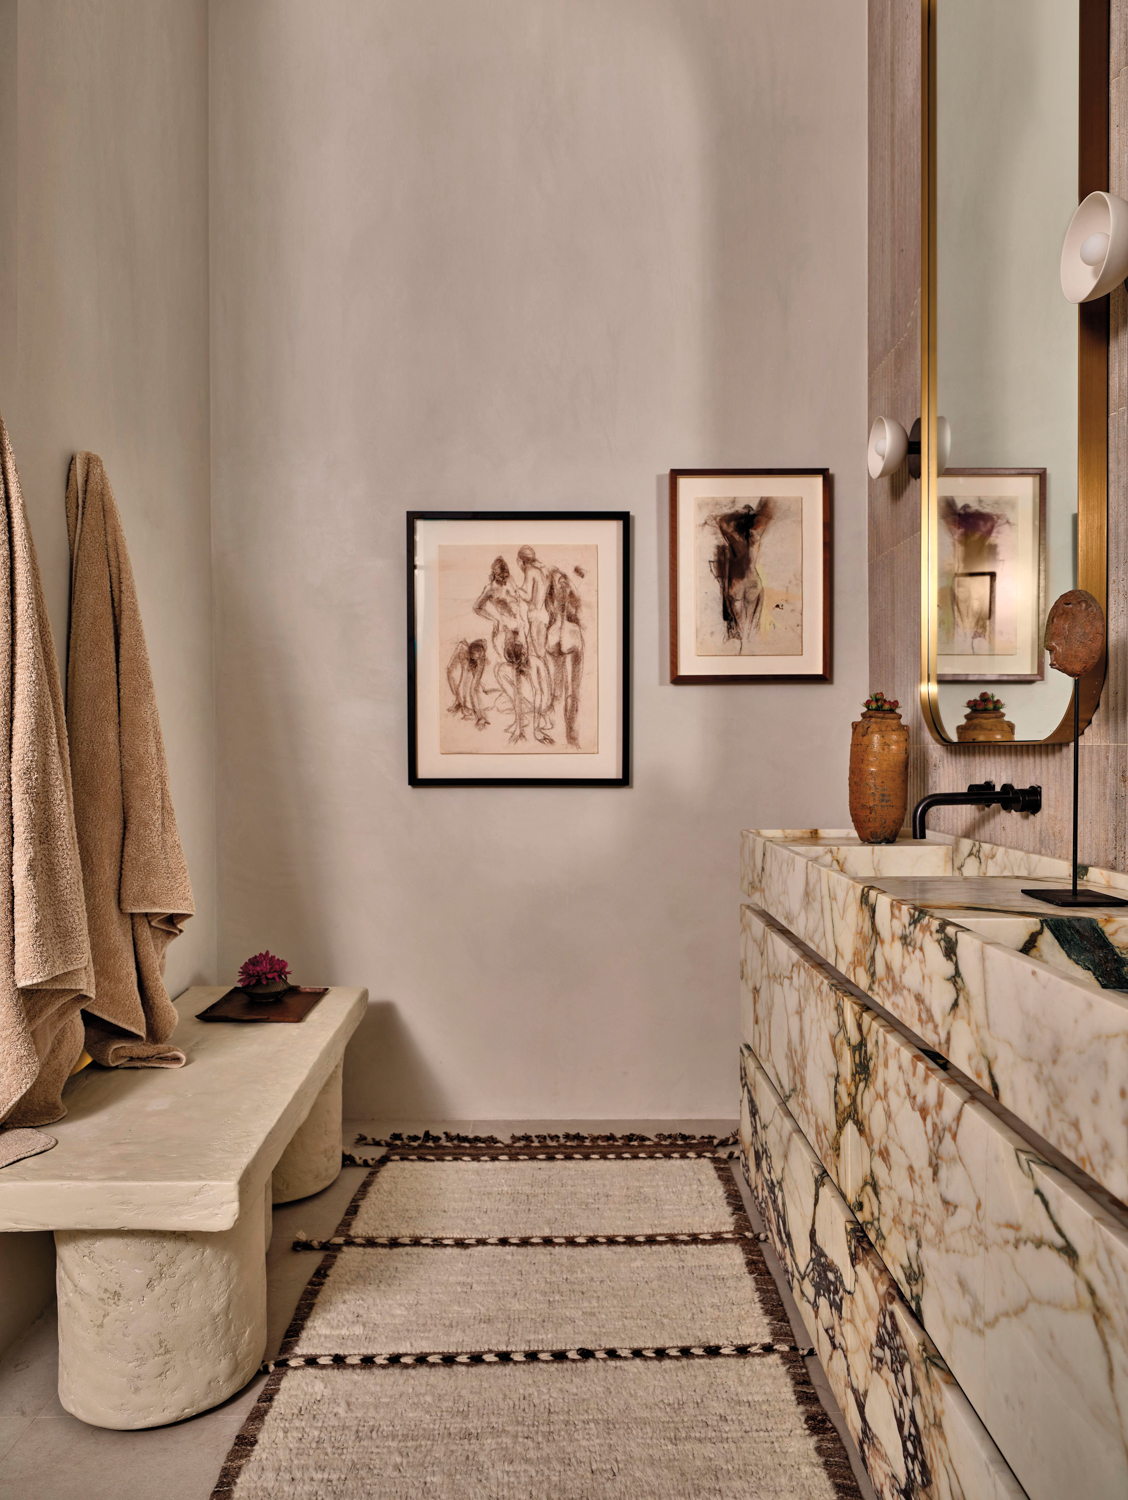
979 794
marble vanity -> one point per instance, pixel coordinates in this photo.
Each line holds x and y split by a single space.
935 1128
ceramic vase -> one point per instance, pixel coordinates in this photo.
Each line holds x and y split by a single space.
978 726
879 776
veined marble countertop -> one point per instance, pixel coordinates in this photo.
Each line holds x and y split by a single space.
999 893
1026 1000
182 1148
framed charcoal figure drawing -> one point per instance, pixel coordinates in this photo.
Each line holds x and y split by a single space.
518 669
750 575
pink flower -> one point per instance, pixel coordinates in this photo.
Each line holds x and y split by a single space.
263 968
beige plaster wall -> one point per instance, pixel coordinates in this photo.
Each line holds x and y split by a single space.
104 345
519 254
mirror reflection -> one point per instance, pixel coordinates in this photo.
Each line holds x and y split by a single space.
1006 163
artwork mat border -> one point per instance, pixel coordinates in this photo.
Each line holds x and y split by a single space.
1038 510
688 667
617 615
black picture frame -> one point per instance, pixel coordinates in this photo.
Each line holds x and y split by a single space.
622 576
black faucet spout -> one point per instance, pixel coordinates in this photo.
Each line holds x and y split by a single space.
979 794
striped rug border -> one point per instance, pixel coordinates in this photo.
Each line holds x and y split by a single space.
720 1150
579 1354
522 1241
567 1147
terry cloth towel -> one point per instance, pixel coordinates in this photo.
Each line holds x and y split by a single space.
45 971
16 1144
138 895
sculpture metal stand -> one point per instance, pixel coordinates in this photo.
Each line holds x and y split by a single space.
1075 636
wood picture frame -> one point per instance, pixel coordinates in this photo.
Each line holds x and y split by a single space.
518 648
751 553
1025 490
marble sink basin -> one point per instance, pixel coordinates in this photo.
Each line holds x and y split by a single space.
1091 946
967 882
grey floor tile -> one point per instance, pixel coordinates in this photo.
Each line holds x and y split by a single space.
60 1458
28 1372
11 1430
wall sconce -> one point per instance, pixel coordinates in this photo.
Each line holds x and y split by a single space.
890 445
1094 258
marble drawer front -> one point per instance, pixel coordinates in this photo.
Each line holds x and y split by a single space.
1052 1050
1019 1275
918 1435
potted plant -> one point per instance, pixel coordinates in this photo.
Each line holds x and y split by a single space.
879 771
984 721
264 977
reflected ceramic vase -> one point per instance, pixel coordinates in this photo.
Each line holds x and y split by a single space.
978 727
879 776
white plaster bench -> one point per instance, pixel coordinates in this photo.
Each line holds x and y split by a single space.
159 1193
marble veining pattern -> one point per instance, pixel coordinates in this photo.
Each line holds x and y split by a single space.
1051 1049
1010 1264
975 857
915 1428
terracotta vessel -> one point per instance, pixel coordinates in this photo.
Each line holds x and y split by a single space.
879 776
978 726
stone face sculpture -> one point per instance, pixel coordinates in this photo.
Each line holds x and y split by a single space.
1075 633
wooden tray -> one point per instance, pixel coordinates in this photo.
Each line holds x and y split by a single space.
293 1004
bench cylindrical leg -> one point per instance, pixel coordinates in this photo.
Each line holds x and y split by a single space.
312 1160
155 1326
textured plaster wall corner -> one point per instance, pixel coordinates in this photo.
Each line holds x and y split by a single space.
104 345
516 256
112 325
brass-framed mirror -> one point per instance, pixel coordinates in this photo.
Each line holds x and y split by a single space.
1014 378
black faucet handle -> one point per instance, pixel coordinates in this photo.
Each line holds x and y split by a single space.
1020 798
982 786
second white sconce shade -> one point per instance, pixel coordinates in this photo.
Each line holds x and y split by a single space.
943 443
888 444
1094 258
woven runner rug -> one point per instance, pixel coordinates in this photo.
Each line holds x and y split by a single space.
559 1317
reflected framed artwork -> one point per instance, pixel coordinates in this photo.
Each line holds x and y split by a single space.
750 575
518 654
991 575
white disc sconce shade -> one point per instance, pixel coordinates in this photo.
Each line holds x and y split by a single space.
888 444
1094 258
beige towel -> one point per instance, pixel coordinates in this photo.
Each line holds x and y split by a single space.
138 895
15 1145
45 968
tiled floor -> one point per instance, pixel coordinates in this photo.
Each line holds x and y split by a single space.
46 1454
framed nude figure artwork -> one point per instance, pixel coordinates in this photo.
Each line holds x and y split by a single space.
750 575
518 648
